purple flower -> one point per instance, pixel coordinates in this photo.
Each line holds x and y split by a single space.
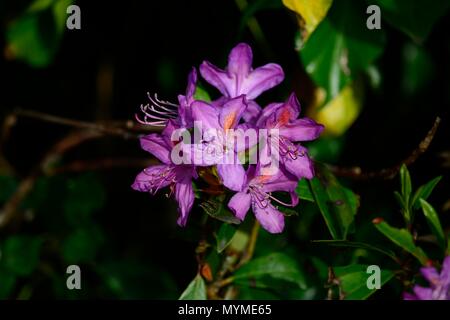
439 284
177 177
215 148
283 116
185 101
158 112
256 193
239 78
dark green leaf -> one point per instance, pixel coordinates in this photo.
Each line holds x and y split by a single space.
8 185
276 265
7 282
85 195
217 210
353 244
196 290
415 18
20 254
353 281
83 244
418 69
35 36
341 47
424 192
304 191
225 235
403 239
337 204
434 223
201 94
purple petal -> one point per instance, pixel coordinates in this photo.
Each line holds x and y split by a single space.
232 175
430 274
261 79
157 145
294 198
301 166
218 78
192 82
231 112
207 114
304 129
184 193
282 181
252 112
240 60
423 293
409 296
270 218
445 272
150 178
240 204
267 118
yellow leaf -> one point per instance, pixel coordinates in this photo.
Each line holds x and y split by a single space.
311 12
341 112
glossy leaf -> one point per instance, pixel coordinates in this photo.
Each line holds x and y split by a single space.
341 47
303 190
353 281
342 111
217 210
434 223
224 236
405 181
311 13
337 204
403 239
353 244
424 192
276 265
414 18
196 290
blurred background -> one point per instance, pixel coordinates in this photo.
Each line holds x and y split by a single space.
65 195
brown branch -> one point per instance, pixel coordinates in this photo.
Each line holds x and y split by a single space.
126 129
388 173
102 164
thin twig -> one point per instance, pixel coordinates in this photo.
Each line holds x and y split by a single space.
248 254
388 173
126 129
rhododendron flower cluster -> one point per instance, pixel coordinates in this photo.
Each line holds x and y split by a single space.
439 288
276 131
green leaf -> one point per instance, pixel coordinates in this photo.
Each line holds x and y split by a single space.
83 244
201 94
20 254
434 223
414 18
341 47
405 182
7 282
337 204
403 239
8 184
217 210
85 195
311 12
418 69
353 281
224 236
354 244
276 266
35 36
303 190
424 192
196 290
